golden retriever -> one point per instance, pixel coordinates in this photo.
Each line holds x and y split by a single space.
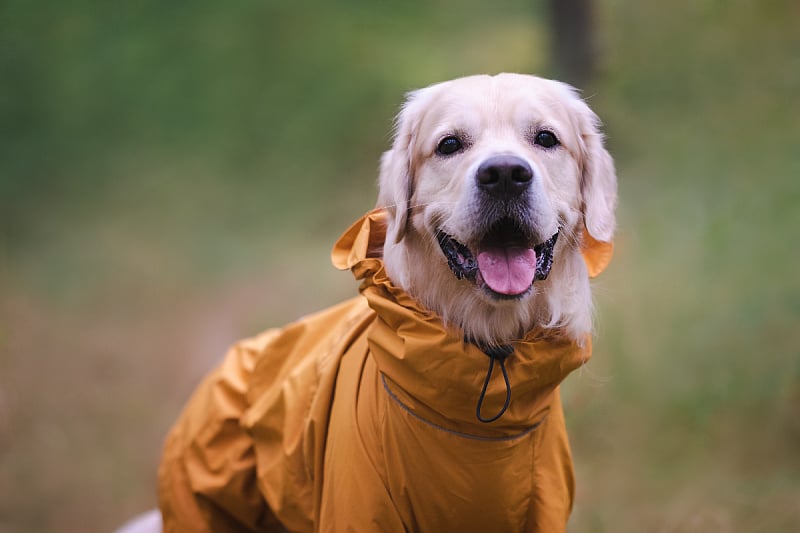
358 418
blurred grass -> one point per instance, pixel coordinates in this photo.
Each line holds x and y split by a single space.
172 178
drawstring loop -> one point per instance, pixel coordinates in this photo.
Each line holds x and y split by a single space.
499 354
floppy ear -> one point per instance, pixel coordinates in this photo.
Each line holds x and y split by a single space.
396 181
598 180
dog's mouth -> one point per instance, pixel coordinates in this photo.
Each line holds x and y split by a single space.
507 262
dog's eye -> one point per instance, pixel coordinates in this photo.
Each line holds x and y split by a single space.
546 139
449 145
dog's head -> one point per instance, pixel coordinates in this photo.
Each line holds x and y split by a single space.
491 183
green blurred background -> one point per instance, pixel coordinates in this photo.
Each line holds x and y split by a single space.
173 174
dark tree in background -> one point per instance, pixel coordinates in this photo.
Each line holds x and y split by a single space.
573 46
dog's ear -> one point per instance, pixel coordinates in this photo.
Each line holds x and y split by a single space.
396 181
598 179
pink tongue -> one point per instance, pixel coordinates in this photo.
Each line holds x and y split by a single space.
508 270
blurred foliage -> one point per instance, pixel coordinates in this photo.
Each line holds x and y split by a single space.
218 120
172 176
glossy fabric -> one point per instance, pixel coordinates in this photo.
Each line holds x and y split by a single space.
362 418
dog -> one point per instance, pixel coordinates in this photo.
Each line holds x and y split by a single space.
430 402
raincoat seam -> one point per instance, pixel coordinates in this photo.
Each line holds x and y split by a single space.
463 435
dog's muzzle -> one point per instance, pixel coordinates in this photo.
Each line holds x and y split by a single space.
505 266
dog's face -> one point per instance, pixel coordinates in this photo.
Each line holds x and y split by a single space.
491 182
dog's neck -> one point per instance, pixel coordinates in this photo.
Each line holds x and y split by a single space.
418 357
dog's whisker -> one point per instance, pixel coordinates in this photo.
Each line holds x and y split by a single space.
438 203
415 206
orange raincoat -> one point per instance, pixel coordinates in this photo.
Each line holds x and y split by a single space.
362 418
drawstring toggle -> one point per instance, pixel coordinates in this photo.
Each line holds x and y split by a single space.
499 354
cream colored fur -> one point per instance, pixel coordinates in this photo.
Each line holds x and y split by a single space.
574 186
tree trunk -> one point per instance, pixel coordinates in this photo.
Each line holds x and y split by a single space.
572 42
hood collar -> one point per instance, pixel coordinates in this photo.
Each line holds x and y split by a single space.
432 370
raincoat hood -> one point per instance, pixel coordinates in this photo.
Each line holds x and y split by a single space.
362 418
440 373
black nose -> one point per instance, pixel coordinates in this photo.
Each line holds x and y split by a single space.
504 176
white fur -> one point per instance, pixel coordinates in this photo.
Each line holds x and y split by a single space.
574 187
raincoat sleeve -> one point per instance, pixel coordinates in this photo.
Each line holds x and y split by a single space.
207 477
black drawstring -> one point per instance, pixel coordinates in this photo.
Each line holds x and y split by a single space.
499 354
